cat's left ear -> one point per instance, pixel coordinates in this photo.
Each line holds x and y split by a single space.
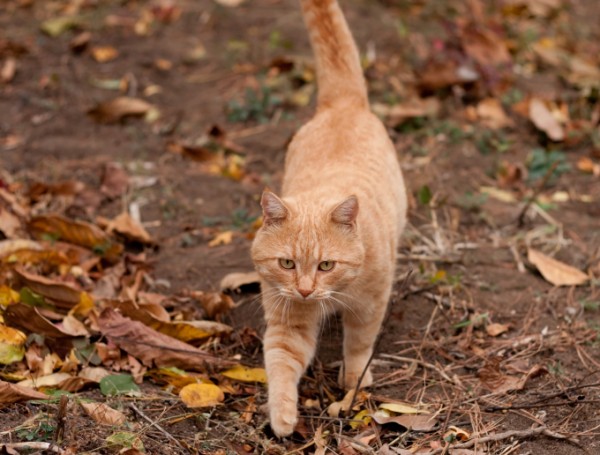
346 212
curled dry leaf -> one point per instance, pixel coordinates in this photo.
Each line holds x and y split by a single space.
152 347
544 120
491 113
240 282
214 304
104 414
8 247
125 225
50 380
29 318
116 109
63 295
76 232
13 393
494 329
556 272
201 395
413 422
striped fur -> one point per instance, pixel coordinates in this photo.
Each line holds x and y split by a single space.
343 200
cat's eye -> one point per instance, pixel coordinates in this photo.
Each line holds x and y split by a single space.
287 264
326 266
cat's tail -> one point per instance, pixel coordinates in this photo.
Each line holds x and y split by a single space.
339 73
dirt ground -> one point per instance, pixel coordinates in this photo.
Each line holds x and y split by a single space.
475 333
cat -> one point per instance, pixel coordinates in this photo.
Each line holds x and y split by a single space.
329 242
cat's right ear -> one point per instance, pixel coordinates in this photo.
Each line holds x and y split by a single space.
274 209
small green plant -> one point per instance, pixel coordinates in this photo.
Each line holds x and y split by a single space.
540 162
556 368
42 431
488 142
257 106
590 305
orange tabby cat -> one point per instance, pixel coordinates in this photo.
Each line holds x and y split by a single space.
329 243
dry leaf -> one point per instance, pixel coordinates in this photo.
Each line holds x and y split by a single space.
334 409
50 380
29 318
544 120
125 225
400 408
201 395
245 374
413 422
230 3
13 393
152 347
116 109
556 272
214 304
8 247
484 45
63 295
76 232
9 223
456 434
491 113
104 414
222 238
239 282
94 374
496 329
398 113
73 326
11 345
8 70
104 54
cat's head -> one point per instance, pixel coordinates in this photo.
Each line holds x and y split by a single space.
308 250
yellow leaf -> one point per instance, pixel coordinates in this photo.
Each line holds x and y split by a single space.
223 238
361 419
245 374
11 345
201 395
400 408
8 296
104 54
85 305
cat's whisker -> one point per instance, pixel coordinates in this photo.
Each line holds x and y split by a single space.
345 306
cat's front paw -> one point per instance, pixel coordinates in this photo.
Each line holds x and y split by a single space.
284 417
349 380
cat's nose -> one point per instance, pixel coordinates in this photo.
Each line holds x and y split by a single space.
305 292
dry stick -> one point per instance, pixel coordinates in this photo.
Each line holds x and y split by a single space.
522 434
157 426
376 344
61 419
536 193
33 446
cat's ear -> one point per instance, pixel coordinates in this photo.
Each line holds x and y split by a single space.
346 212
274 209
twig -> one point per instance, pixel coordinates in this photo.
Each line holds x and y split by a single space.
157 426
536 193
520 434
61 419
33 446
421 363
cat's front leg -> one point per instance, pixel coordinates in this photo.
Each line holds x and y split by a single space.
361 327
289 348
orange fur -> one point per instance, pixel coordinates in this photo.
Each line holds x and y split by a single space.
343 202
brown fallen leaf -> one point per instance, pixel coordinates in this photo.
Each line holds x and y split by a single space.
8 247
116 109
9 224
29 318
12 393
494 329
80 42
152 347
556 272
497 382
8 70
63 295
222 238
544 120
398 113
412 422
240 282
104 414
484 45
76 232
215 304
125 225
491 113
